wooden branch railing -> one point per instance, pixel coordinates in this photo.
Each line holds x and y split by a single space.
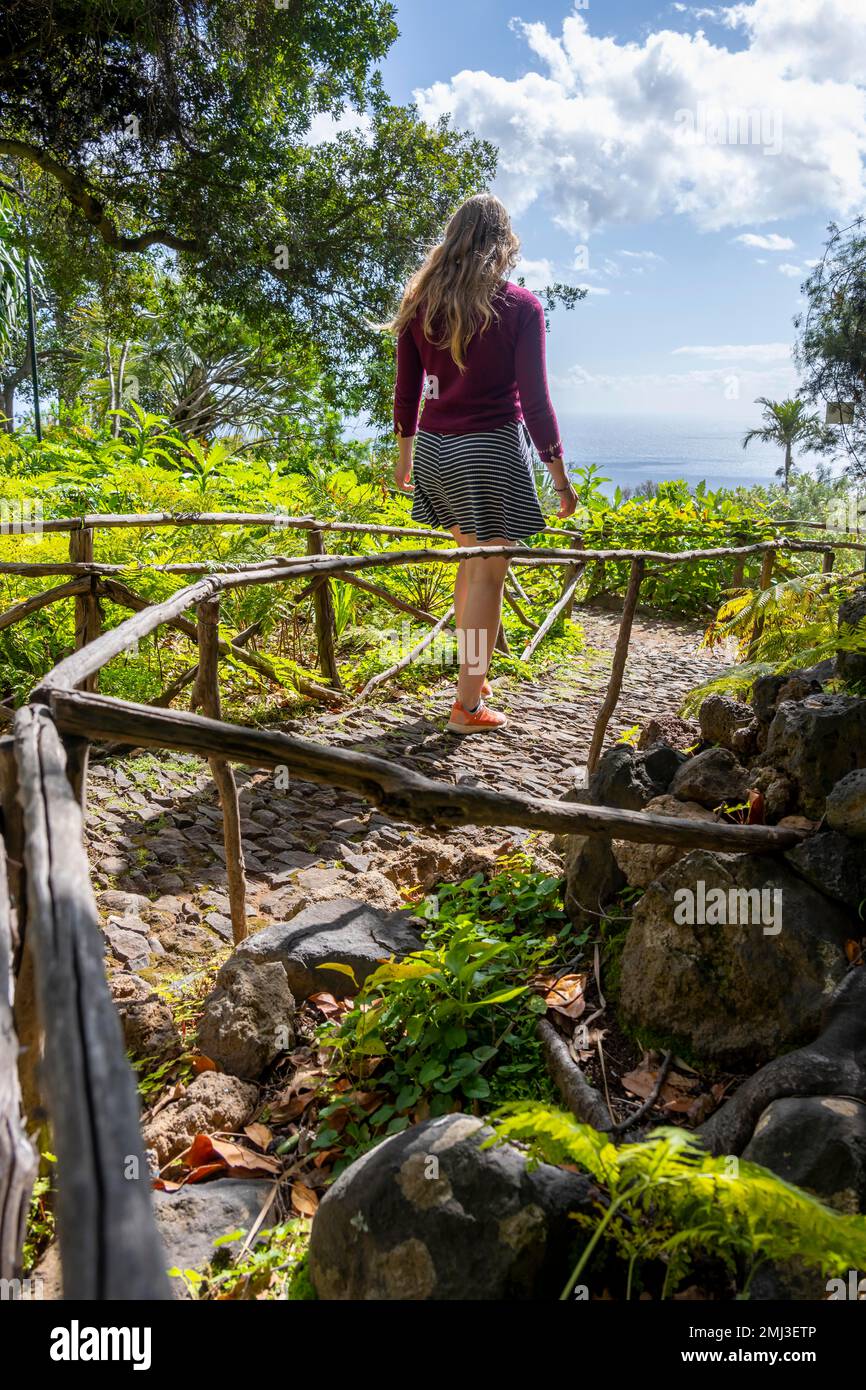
109 1244
108 1239
404 794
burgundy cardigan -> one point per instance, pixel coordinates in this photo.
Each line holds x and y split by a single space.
505 377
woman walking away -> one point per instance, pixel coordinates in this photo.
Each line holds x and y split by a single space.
473 344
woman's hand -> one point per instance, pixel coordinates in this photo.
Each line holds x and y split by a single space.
403 466
567 501
564 490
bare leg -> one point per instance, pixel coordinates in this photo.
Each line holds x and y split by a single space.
478 615
460 587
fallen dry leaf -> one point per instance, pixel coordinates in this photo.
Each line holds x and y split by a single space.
327 1004
205 1150
304 1199
566 996
259 1134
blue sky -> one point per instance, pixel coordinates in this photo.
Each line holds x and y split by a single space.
696 155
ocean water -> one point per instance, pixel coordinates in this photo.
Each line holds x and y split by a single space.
631 449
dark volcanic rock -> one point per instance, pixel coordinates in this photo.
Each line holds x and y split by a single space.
430 1214
341 930
735 992
834 865
713 778
721 717
627 779
592 878
816 742
816 1142
846 805
851 666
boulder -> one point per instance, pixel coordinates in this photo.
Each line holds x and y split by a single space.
428 863
149 1030
846 805
731 991
430 1214
212 1102
341 930
851 666
189 1221
768 692
721 718
816 742
778 790
834 865
642 863
592 878
248 1018
670 729
815 1142
714 778
628 779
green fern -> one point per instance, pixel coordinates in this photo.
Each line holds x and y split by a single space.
667 1199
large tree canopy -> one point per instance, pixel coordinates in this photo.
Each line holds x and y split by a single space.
184 130
831 347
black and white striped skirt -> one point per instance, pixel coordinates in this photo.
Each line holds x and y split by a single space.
483 483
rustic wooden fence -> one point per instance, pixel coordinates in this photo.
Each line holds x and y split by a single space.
62 1026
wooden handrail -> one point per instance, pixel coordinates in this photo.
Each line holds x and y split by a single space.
404 794
109 1243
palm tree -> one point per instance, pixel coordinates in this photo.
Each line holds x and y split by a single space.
787 424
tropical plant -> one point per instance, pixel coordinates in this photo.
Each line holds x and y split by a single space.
787 424
669 1202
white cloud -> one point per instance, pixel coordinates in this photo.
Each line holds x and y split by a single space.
537 273
771 242
821 39
604 131
786 268
749 352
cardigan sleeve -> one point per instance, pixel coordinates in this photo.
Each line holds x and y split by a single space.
410 383
531 373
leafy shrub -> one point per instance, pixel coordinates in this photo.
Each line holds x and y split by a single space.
667 1200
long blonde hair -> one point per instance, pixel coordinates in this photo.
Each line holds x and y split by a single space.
456 286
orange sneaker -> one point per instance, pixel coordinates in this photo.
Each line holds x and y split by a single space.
486 689
481 721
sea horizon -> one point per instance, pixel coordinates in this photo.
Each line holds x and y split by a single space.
634 448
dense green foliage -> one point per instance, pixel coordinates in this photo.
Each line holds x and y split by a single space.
242 163
668 1203
454 1023
831 348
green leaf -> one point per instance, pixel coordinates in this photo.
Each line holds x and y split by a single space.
476 1088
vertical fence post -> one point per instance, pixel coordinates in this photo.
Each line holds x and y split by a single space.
617 666
25 1012
17 1156
828 562
207 696
88 614
766 580
326 623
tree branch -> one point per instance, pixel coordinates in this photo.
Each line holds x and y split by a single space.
90 206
